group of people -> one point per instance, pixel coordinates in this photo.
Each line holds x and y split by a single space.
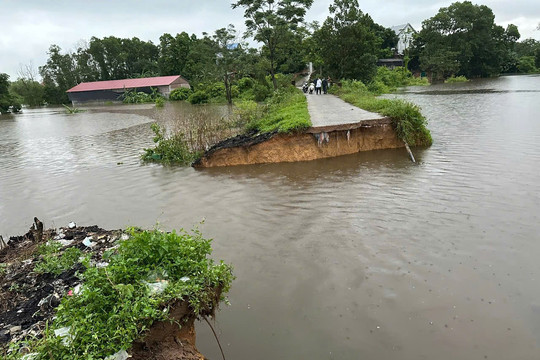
317 85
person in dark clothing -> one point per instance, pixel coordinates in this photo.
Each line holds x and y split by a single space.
324 85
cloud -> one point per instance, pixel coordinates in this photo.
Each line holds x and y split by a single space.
36 24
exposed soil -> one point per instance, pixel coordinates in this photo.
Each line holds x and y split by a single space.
28 300
316 143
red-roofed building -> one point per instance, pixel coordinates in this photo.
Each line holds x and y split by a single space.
112 90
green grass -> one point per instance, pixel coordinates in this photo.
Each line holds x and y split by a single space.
116 306
407 119
51 261
286 111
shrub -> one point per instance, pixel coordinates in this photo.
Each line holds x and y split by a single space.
199 97
235 91
215 90
261 92
169 150
407 119
180 94
245 83
455 79
160 102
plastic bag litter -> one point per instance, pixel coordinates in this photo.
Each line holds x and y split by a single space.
29 356
64 334
124 237
65 242
88 242
72 225
121 355
157 287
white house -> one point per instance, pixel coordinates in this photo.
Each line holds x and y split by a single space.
405 34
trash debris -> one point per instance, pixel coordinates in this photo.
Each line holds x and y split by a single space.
72 225
28 299
30 356
64 334
185 278
121 355
124 237
88 242
157 287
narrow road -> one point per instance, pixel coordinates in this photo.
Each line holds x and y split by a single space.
329 110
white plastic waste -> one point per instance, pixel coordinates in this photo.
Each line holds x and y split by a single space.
124 237
65 242
121 355
64 334
185 278
88 242
72 225
29 356
157 287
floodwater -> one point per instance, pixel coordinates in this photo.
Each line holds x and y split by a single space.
365 256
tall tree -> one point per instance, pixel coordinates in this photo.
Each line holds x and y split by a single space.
270 21
467 37
8 103
226 58
348 42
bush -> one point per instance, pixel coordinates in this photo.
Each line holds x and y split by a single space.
180 94
160 102
407 119
245 83
169 150
261 92
215 90
199 97
455 79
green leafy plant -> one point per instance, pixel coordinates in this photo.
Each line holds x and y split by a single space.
199 97
116 304
456 79
407 119
169 150
72 110
53 262
180 94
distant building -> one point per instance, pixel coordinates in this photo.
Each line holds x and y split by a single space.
112 90
405 34
390 63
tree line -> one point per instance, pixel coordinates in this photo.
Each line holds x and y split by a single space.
461 39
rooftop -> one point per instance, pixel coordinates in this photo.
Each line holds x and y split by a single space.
125 83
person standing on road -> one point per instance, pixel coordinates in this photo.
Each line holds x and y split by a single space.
324 85
318 85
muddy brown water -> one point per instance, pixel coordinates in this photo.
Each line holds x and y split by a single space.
359 257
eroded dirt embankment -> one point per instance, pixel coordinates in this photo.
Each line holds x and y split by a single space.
315 143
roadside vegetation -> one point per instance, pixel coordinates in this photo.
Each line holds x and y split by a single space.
256 108
407 119
136 284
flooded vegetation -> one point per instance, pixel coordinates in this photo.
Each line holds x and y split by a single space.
361 256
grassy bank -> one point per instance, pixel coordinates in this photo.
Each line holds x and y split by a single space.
126 287
408 121
286 111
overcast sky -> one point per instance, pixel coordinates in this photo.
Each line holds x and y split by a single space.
29 27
